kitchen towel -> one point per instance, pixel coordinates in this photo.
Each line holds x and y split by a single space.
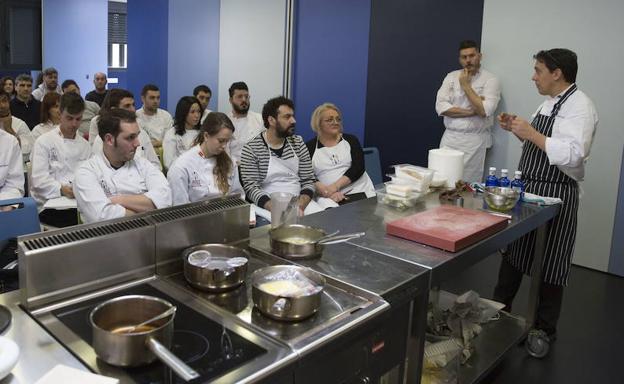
447 162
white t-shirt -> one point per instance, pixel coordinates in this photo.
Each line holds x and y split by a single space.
204 115
11 168
245 129
191 177
174 145
54 160
42 128
96 181
91 110
155 125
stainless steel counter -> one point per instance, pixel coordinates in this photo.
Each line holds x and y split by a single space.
39 352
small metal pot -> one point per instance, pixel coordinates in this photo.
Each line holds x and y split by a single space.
142 346
215 279
280 307
296 241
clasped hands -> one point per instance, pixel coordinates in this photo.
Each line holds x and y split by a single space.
516 125
331 192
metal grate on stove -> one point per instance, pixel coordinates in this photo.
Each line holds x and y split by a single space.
214 205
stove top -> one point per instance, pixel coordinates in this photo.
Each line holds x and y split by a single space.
208 347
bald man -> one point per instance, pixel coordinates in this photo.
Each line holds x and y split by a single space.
99 93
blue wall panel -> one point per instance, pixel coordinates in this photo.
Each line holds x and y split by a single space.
147 47
413 44
122 78
193 48
331 60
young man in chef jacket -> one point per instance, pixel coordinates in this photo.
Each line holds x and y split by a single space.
154 120
203 93
55 157
247 124
114 183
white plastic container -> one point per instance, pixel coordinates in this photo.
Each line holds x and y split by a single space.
418 177
400 202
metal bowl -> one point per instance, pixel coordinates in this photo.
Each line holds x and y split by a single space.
501 198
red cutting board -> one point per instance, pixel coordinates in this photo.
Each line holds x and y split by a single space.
448 227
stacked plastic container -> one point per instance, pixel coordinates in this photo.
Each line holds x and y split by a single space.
408 184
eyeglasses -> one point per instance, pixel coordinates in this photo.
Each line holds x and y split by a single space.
333 120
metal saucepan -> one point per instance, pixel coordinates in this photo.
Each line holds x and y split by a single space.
226 270
287 292
112 344
296 241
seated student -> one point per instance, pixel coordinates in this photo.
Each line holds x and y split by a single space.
50 114
277 160
91 108
206 169
337 158
55 157
23 105
154 120
120 98
11 168
114 183
203 93
181 138
15 126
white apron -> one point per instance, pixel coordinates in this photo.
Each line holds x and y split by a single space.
474 145
330 163
283 176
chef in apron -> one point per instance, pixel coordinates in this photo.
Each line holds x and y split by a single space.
277 160
337 159
556 145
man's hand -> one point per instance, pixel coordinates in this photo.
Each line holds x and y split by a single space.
464 79
304 200
67 191
522 129
505 119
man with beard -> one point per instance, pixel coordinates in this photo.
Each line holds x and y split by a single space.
15 126
99 93
151 118
203 93
247 124
277 160
50 84
468 99
113 183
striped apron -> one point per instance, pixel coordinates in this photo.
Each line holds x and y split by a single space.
544 179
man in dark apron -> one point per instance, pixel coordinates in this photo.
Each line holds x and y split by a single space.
555 146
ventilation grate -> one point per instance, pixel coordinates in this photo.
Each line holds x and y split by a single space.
198 209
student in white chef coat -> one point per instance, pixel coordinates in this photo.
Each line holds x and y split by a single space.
11 168
123 99
337 159
468 99
206 169
50 114
248 124
15 126
55 157
277 160
91 107
154 120
203 94
113 183
181 138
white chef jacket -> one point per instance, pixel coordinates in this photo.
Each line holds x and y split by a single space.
174 145
11 168
23 132
572 133
41 91
54 160
155 125
91 110
191 177
42 128
204 115
96 181
146 149
245 129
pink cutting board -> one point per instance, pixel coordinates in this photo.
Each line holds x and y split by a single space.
448 227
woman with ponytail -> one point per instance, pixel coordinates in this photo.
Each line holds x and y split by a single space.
206 169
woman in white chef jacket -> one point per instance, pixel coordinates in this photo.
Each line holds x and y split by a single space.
206 169
50 114
186 125
337 159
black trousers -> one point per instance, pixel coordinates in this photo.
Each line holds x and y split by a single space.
59 218
549 302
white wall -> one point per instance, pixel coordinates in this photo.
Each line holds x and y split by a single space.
251 49
515 30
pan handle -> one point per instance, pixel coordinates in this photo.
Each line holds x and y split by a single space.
341 238
172 361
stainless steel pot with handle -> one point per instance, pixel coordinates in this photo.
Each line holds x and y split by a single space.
296 241
287 292
112 344
225 271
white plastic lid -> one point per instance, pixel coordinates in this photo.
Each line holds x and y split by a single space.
492 169
504 170
518 173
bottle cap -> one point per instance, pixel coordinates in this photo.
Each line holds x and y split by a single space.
518 173
504 170
492 168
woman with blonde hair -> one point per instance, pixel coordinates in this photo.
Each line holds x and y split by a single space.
337 159
205 170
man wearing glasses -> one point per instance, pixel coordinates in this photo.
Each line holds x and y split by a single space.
247 124
555 146
468 99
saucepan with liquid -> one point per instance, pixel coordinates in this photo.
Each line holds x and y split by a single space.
117 342
287 292
296 241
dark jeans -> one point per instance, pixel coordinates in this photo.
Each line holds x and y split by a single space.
550 297
59 218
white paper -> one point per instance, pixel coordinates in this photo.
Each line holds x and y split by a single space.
60 203
67 375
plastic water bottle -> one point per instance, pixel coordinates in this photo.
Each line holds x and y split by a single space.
517 183
492 180
504 181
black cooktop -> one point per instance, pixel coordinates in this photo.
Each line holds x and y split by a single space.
206 346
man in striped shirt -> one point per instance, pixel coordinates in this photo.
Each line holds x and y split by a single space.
277 160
